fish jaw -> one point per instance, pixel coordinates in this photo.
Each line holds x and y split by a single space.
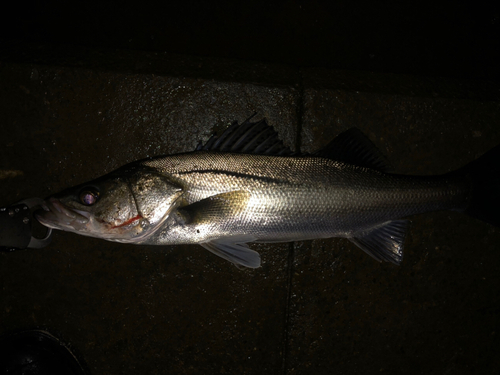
57 215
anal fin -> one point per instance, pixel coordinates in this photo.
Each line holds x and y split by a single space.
383 242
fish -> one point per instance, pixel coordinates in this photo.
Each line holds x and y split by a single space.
245 186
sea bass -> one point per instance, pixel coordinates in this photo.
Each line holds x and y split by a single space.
245 186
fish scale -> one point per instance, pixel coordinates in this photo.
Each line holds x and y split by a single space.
245 186
318 198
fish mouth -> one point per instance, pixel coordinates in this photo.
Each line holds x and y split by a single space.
57 215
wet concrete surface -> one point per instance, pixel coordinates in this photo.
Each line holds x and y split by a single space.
314 307
437 312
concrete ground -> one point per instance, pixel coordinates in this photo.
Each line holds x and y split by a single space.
314 307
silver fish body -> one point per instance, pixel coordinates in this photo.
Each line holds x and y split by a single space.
245 186
279 199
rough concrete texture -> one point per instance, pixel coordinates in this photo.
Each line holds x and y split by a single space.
438 312
317 307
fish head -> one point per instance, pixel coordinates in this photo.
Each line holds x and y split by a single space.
127 205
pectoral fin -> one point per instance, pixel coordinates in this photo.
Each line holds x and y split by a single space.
219 212
235 250
383 242
216 209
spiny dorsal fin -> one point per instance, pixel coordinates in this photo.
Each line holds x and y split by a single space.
383 242
353 147
248 138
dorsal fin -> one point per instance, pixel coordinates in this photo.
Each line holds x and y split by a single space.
248 138
353 147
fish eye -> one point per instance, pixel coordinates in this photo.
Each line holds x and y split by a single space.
89 196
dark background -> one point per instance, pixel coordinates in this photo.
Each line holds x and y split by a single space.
432 38
87 87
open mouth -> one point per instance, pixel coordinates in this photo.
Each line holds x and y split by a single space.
56 215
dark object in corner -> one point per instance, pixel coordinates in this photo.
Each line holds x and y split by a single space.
36 352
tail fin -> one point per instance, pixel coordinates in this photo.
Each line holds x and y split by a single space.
484 176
